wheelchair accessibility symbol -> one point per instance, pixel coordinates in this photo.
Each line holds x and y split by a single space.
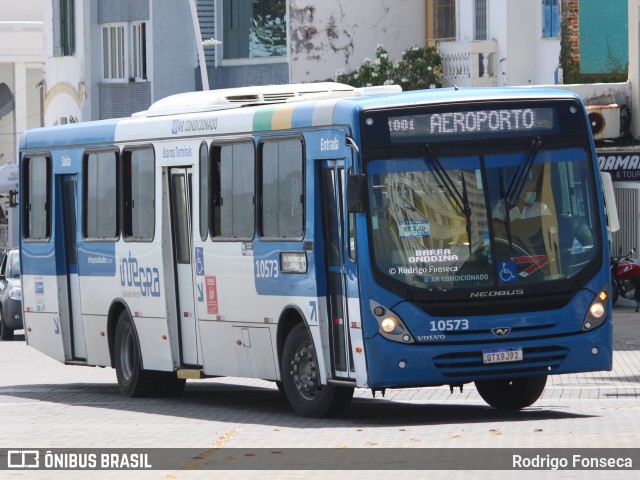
508 272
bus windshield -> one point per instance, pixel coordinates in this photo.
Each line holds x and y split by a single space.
490 220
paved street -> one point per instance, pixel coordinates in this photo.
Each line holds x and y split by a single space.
44 404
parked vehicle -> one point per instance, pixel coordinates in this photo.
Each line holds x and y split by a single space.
625 278
11 295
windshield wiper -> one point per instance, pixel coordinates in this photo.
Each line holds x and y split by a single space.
519 180
460 200
507 217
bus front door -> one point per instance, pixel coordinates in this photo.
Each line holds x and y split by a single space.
332 188
180 198
68 196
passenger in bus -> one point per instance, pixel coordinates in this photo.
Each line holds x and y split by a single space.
532 208
499 212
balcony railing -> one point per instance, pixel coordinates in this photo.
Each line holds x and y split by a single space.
469 64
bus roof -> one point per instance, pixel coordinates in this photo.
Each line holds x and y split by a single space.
266 108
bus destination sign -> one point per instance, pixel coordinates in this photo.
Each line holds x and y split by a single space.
470 123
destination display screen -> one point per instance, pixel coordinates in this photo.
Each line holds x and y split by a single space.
471 122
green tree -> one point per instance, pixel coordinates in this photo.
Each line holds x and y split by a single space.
418 68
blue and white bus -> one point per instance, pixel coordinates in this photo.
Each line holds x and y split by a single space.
324 238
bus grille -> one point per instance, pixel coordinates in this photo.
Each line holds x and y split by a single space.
495 307
469 364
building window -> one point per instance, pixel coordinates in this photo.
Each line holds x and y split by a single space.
551 15
124 51
139 51
63 28
254 29
101 195
36 209
444 18
113 52
138 194
480 21
282 206
233 191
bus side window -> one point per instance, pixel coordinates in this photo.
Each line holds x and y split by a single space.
233 190
100 194
204 191
282 189
37 205
139 194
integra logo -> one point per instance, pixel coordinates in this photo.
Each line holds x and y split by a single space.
146 280
497 293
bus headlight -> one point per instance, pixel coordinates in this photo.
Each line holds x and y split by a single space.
15 293
597 312
389 324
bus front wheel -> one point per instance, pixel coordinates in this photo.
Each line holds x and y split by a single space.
301 379
132 379
511 394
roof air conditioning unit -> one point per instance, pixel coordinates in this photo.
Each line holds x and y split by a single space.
604 120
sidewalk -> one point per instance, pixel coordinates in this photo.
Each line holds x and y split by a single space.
623 381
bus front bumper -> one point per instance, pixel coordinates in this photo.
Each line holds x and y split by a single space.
394 365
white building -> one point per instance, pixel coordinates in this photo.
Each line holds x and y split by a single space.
496 42
334 35
20 72
110 58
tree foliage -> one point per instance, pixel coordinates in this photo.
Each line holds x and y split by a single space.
418 68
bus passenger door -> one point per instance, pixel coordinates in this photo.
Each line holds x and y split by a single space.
332 188
68 194
180 198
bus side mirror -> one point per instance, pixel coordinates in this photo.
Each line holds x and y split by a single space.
356 187
613 222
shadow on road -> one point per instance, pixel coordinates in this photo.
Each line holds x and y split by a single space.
262 405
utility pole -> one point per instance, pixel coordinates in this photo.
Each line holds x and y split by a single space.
196 27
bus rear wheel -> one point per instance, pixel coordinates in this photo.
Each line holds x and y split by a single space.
301 379
132 379
512 394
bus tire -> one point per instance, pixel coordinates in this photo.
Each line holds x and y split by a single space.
615 292
512 394
280 388
5 332
132 379
301 380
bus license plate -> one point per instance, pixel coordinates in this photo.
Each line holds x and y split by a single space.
502 355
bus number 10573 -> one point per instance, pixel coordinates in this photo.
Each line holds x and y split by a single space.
449 325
